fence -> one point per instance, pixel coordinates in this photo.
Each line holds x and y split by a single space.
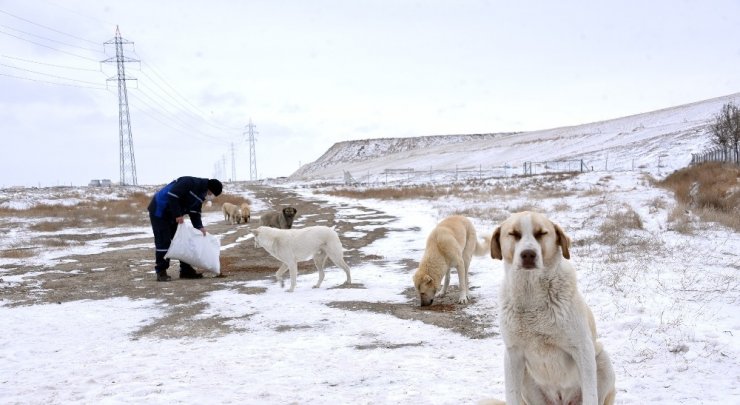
559 166
716 155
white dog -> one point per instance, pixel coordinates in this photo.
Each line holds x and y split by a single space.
552 355
291 246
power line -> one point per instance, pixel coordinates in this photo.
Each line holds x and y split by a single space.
46 46
48 39
195 110
47 74
50 64
50 82
49 28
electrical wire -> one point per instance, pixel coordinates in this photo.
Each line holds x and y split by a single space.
47 46
49 64
47 74
48 28
49 39
50 82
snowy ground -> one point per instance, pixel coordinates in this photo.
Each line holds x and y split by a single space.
666 306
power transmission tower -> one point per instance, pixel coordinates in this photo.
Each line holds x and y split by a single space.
233 163
128 163
252 152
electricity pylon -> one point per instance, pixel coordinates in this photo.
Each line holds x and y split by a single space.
252 152
128 163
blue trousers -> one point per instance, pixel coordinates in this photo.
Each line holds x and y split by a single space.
164 230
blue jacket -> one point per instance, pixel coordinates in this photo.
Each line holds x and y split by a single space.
183 196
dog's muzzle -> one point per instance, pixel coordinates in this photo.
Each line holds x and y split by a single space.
528 258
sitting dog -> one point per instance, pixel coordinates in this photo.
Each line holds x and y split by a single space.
246 212
553 355
291 246
279 219
452 243
231 213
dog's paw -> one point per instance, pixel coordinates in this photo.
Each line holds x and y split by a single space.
463 300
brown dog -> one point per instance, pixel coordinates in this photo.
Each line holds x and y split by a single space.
279 219
246 212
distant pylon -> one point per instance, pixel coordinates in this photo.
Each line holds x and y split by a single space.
252 152
233 163
128 163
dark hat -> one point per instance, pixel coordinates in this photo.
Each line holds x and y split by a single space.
215 186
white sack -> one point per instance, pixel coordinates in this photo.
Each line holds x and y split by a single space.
190 246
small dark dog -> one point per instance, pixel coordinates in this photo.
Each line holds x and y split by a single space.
278 219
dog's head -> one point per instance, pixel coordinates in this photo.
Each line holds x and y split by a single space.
426 287
529 240
289 212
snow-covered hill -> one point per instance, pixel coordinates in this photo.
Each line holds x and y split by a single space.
656 142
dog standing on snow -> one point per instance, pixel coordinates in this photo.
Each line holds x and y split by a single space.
452 243
553 355
291 246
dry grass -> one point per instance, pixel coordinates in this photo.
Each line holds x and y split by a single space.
710 190
615 228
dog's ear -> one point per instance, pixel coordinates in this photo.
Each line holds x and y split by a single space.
427 279
563 240
496 244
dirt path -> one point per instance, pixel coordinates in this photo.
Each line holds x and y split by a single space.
128 272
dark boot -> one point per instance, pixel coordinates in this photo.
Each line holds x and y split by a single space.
190 273
162 276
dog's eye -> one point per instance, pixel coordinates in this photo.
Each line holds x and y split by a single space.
540 234
515 234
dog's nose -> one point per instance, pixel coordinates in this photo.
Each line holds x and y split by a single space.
528 258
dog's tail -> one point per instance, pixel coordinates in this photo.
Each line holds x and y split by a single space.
483 247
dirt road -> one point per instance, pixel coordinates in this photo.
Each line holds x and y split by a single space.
126 271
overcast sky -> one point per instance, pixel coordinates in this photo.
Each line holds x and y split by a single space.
312 73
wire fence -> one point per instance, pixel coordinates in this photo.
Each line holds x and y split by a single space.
719 154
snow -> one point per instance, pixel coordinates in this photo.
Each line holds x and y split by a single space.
667 313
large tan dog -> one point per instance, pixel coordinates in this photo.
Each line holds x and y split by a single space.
553 355
231 213
246 212
291 246
451 243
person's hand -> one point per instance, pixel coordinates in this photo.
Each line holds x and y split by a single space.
180 219
203 229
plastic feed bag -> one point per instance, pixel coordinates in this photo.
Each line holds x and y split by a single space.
190 246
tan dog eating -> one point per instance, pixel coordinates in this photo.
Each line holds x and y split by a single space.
451 243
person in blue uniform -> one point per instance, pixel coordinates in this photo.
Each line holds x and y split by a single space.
184 196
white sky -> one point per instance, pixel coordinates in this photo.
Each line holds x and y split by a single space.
312 73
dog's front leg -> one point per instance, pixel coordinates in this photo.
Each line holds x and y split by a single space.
513 375
462 275
279 274
583 352
445 284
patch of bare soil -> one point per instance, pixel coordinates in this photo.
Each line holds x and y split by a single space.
122 272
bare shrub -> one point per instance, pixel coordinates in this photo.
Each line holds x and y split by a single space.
680 221
712 189
613 231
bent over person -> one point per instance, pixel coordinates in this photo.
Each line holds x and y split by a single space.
167 209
